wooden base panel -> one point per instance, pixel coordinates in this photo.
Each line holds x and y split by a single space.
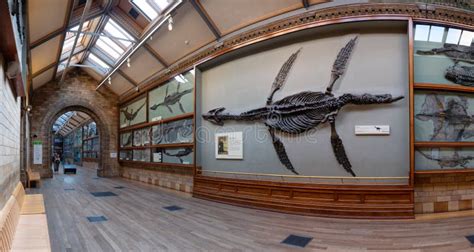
344 201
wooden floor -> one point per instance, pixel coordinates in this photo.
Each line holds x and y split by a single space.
138 222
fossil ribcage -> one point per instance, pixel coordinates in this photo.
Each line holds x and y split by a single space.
304 111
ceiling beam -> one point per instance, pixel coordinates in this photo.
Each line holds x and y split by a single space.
155 55
125 76
81 23
44 69
210 24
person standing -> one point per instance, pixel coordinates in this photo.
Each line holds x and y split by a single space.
57 161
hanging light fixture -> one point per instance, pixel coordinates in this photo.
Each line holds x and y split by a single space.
128 62
170 23
110 81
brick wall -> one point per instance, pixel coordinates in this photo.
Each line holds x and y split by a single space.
168 178
436 193
10 111
76 93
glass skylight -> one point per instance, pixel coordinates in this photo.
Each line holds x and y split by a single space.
439 34
453 36
152 8
101 66
114 30
466 38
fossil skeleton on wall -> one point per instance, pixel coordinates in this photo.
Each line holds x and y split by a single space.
180 154
304 111
450 118
171 99
173 132
456 53
131 115
463 75
449 161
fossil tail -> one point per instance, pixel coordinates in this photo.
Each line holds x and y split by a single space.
429 52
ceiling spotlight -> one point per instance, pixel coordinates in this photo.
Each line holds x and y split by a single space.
151 38
137 89
170 24
128 62
110 81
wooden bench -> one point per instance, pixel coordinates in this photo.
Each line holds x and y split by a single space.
33 176
23 223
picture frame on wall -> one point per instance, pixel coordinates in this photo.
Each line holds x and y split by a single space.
229 145
134 113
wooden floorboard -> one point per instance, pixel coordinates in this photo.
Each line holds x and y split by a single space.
138 222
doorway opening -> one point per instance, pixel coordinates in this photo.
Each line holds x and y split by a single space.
75 143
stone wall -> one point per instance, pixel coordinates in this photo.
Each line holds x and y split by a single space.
10 112
76 93
169 178
436 193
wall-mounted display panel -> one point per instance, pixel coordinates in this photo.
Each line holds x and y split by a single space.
443 55
126 139
440 158
141 155
126 155
180 131
175 155
234 93
141 137
443 116
133 113
174 98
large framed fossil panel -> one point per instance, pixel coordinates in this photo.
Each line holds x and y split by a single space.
133 113
173 98
443 55
443 116
180 131
444 158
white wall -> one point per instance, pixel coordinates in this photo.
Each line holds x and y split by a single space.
9 138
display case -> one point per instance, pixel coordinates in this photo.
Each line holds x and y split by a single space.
90 147
166 135
443 66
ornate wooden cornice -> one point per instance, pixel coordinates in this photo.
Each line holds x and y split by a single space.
314 18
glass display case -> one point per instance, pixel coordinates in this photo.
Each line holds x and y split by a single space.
133 113
180 131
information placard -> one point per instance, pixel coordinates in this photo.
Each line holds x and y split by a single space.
229 145
37 152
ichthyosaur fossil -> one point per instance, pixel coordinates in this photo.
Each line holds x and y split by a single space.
453 161
304 111
130 116
463 75
171 99
455 52
450 118
177 131
180 154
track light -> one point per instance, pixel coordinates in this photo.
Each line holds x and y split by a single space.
110 81
170 24
128 62
137 89
151 38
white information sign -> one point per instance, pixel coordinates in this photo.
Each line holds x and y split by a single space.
229 145
372 130
113 154
37 152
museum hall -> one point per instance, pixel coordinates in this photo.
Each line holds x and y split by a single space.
236 125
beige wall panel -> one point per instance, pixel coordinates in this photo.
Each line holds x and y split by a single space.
45 54
45 17
143 65
230 15
188 26
119 84
43 78
93 73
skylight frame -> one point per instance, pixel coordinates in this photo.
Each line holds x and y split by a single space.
450 35
100 65
155 11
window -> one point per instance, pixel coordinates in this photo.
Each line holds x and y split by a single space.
439 34
152 8
74 60
100 66
122 36
114 41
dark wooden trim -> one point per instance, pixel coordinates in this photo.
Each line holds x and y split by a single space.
444 87
128 78
206 18
445 171
344 201
89 138
163 146
147 124
140 164
42 70
443 144
411 81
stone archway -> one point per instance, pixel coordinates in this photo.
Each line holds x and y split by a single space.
102 129
77 92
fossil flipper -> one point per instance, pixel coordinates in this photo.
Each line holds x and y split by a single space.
282 75
181 107
281 152
339 65
339 150
169 108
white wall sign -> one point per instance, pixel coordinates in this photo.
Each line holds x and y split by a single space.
229 145
372 130
113 154
37 152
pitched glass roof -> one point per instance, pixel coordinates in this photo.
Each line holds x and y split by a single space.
152 8
59 123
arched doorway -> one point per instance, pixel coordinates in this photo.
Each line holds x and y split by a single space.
75 143
104 166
